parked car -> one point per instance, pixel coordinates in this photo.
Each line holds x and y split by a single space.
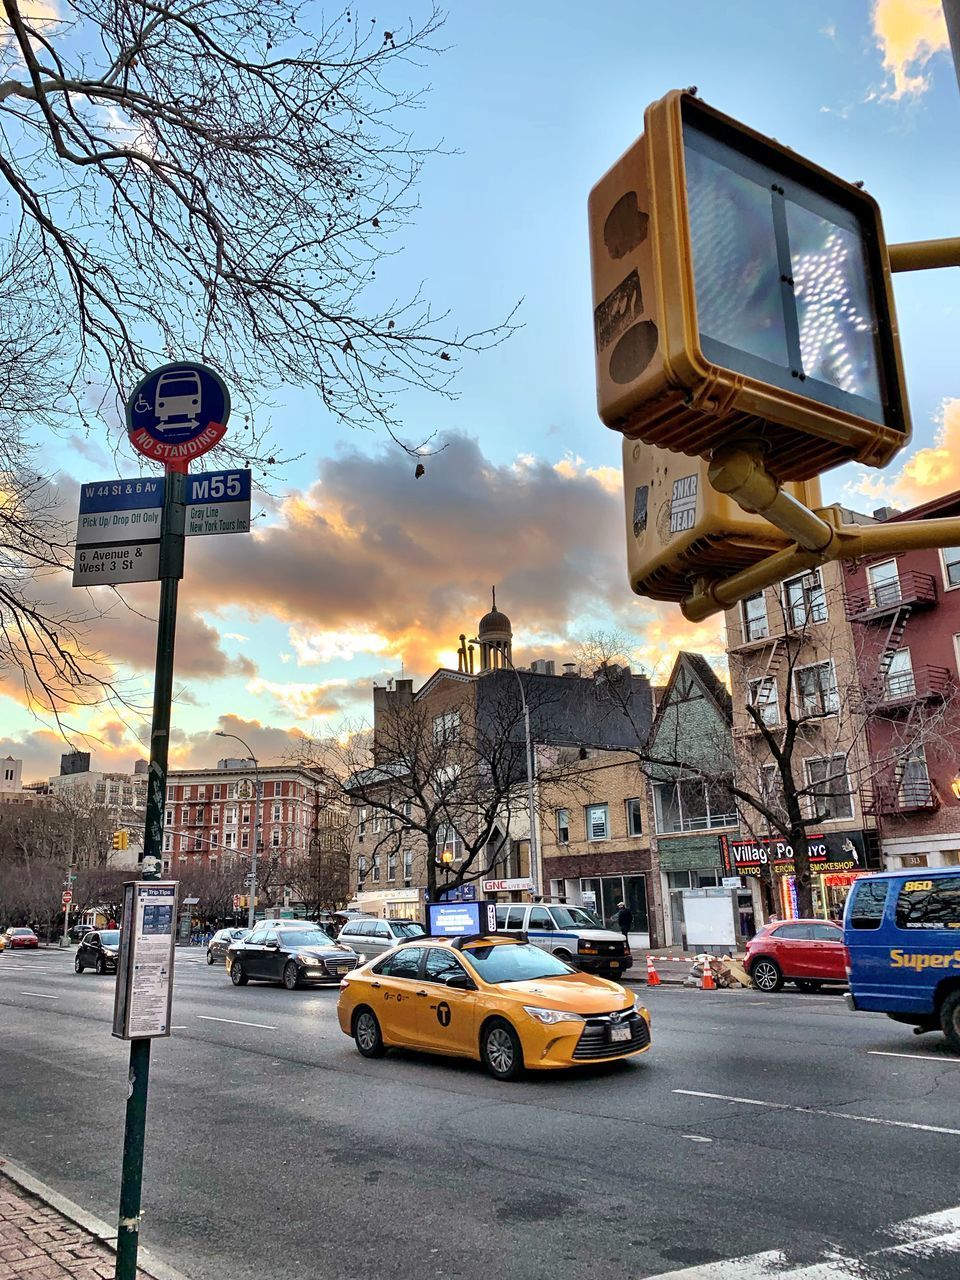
371 937
78 931
497 999
21 938
570 933
217 946
807 953
98 950
293 956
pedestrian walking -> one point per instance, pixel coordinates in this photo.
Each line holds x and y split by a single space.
624 920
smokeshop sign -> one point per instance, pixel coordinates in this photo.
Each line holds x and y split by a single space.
835 851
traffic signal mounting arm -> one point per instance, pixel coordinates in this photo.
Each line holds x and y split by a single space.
818 536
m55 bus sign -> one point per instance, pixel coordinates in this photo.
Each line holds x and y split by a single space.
217 502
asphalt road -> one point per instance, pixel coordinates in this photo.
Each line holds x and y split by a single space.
771 1125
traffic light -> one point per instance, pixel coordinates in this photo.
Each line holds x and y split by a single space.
742 293
679 528
121 839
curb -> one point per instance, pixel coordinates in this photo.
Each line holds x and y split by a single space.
147 1262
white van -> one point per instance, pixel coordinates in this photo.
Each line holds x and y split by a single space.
571 934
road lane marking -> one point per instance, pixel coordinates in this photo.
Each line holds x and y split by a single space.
40 995
205 1017
915 1057
182 1027
695 1137
932 1235
818 1111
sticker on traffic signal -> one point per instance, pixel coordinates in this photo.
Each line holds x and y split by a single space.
742 292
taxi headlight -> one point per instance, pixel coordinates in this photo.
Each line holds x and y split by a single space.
549 1016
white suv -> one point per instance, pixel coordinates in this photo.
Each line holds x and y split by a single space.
571 934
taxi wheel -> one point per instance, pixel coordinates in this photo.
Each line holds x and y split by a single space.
766 975
950 1020
291 979
237 976
367 1034
500 1050
77 965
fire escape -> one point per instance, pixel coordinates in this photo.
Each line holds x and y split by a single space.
899 691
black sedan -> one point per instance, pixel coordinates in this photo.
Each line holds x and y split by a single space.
77 932
98 950
291 956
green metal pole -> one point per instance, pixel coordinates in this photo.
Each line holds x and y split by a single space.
171 571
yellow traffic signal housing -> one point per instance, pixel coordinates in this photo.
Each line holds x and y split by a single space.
679 528
118 839
742 292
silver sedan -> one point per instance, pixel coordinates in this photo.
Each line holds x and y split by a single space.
217 946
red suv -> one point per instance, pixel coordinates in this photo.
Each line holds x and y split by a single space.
804 952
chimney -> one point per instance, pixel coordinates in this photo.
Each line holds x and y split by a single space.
885 513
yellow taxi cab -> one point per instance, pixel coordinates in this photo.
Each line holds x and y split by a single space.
495 998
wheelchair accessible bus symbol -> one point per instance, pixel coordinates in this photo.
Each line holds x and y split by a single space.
177 413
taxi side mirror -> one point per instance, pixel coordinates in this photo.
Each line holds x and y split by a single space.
459 982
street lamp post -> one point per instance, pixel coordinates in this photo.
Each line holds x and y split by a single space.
534 850
258 792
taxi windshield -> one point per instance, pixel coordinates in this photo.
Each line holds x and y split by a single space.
514 962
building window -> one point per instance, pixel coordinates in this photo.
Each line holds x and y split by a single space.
361 824
245 814
816 688
884 582
198 814
375 867
167 842
915 789
829 789
214 839
391 866
951 566
275 838
188 793
563 826
361 870
692 805
168 817
446 728
755 617
408 864
597 821
197 843
231 815
216 791
276 813
215 815
771 787
763 695
449 842
634 818
899 681
230 840
803 599
408 809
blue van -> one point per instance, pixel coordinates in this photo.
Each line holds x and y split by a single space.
902 934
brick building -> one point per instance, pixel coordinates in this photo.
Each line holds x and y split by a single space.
794 642
595 838
905 616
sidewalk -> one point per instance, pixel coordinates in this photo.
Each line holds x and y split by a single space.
44 1236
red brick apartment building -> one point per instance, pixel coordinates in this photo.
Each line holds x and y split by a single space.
904 612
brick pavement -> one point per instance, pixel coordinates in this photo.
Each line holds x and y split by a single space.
38 1242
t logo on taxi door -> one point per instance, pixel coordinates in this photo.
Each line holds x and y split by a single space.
443 1013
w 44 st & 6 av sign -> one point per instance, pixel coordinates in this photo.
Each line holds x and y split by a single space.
118 532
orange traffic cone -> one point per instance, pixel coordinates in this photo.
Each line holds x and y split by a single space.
707 980
653 978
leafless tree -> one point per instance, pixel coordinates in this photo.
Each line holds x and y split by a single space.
209 179
449 787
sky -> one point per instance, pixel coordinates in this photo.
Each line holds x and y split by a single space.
357 571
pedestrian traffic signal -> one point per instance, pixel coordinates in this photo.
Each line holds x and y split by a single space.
679 528
742 293
121 839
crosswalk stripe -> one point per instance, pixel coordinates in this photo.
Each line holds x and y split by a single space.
931 1235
